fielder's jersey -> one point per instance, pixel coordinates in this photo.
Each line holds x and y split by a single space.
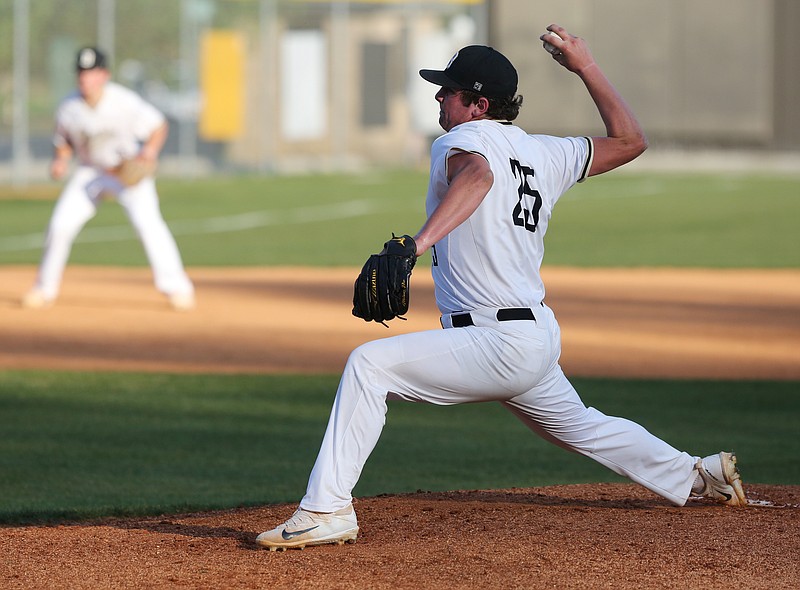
109 132
493 258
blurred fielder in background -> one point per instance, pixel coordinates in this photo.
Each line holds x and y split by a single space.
117 138
491 194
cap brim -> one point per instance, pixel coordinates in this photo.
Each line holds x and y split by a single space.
439 78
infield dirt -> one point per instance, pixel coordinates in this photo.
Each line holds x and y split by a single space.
629 323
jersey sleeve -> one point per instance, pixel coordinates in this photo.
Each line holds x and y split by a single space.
460 139
570 159
61 133
60 136
588 159
148 119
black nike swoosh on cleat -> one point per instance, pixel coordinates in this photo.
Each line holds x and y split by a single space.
291 535
727 496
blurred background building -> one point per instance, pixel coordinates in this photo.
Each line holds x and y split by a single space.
277 86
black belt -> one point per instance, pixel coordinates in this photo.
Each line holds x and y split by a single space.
462 320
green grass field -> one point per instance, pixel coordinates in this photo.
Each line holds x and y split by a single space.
79 445
617 220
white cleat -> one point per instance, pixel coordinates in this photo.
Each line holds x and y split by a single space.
721 479
181 301
35 299
305 529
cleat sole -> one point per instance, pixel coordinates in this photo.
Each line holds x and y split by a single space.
733 478
341 541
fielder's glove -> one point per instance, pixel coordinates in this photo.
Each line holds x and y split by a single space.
133 171
381 290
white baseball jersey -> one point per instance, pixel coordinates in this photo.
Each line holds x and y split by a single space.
492 260
109 132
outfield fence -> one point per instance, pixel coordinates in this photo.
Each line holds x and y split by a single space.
277 86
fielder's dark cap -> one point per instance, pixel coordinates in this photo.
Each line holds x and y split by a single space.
90 58
477 68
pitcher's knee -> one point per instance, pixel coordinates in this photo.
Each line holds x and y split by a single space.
577 431
363 357
367 364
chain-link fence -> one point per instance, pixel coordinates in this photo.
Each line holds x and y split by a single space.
283 85
252 85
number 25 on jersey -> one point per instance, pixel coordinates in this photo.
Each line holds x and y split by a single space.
526 211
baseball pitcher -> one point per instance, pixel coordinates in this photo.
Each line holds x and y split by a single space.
491 194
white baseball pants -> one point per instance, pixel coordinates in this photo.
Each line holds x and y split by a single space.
78 203
514 363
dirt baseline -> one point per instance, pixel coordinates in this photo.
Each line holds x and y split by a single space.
639 323
629 323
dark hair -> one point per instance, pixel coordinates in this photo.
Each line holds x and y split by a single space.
504 109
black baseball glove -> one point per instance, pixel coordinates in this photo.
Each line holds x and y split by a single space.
381 290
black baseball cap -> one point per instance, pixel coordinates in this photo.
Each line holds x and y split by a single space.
477 68
90 58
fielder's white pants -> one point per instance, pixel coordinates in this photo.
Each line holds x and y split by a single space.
78 203
514 363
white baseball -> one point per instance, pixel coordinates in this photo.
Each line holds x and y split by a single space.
549 46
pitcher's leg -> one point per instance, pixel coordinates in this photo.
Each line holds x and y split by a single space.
555 411
439 366
354 427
